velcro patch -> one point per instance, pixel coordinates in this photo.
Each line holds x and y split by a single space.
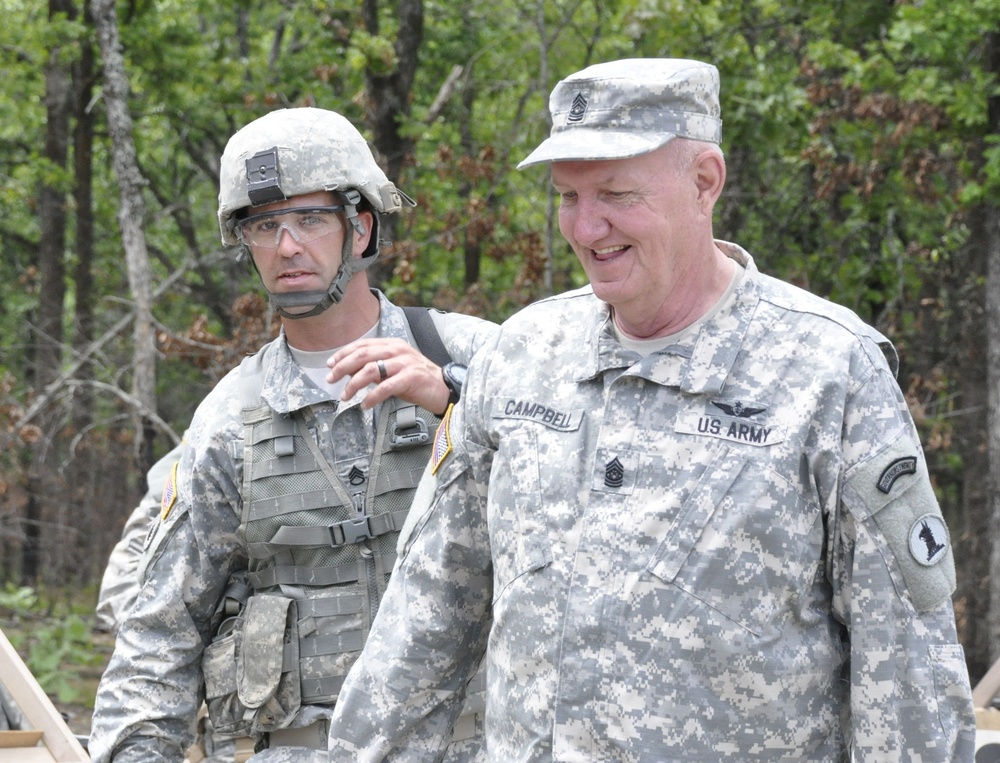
169 492
442 441
892 494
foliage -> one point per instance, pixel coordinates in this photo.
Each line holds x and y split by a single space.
54 641
860 153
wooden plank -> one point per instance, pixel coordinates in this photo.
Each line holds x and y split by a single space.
60 743
988 686
26 755
19 738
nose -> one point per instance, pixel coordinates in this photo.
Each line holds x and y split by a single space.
584 222
288 242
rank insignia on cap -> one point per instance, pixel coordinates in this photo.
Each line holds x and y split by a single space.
579 108
442 441
169 492
928 540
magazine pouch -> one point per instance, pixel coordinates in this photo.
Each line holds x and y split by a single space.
267 667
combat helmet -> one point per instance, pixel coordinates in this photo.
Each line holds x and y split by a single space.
296 151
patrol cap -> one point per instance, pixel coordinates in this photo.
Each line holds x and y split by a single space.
625 108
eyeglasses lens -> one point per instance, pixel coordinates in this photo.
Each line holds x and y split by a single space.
304 225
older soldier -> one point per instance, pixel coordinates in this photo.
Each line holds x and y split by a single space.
686 504
278 527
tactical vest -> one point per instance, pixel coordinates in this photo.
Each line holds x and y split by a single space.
320 553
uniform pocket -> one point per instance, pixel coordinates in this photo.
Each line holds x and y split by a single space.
740 541
515 511
951 689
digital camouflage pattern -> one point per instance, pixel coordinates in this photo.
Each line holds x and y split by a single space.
630 107
150 694
710 553
316 149
120 582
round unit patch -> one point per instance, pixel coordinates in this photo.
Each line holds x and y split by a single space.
928 540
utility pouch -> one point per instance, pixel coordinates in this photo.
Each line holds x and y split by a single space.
219 666
252 668
267 665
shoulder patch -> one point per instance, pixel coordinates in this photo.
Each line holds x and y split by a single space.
442 441
895 470
929 540
892 494
169 492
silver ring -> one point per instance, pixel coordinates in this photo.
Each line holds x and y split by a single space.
382 374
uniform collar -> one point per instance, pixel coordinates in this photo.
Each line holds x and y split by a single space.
287 388
699 364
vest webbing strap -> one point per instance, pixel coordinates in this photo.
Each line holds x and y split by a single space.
324 499
329 605
333 643
321 688
339 534
311 576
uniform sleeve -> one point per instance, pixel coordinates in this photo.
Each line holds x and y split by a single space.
150 693
403 694
464 335
120 582
894 574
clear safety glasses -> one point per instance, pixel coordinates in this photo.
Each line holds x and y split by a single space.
305 224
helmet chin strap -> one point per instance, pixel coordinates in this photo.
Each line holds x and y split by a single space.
349 265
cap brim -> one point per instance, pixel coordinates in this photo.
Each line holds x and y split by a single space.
583 144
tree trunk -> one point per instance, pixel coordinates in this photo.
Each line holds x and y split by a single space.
83 273
389 101
130 218
51 267
992 226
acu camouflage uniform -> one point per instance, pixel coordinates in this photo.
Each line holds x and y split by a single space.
153 687
727 550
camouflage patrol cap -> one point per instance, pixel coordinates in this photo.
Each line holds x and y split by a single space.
625 108
295 151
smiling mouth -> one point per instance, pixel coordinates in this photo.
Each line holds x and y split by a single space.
608 252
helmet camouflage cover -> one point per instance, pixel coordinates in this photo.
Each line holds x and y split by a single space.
298 151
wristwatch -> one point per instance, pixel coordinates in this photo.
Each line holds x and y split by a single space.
454 378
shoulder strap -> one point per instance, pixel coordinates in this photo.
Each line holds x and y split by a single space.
426 333
252 377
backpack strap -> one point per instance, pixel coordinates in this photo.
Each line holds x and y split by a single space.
427 336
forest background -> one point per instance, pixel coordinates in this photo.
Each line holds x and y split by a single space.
863 146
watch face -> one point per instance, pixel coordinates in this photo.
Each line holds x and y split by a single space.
456 372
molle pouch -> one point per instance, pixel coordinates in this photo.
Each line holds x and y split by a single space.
267 666
219 667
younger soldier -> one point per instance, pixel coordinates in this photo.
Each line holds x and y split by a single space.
278 526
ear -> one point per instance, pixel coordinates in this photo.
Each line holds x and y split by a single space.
710 178
367 219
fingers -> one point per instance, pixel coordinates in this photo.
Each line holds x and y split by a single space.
395 368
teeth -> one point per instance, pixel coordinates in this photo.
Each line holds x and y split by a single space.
609 250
